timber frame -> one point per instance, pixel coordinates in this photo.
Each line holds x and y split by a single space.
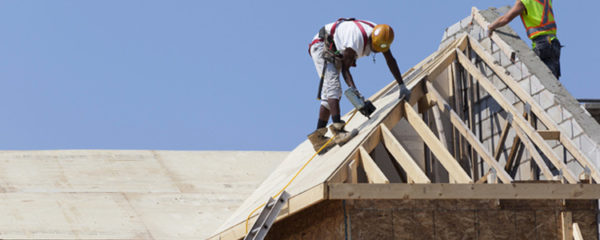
495 181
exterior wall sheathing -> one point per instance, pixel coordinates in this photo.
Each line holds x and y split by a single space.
437 219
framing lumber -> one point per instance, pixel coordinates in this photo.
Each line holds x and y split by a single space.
469 136
484 24
402 157
374 174
549 134
353 171
577 232
534 154
518 119
512 155
566 220
503 136
446 159
550 191
535 108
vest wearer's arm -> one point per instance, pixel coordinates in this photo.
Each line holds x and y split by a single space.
515 11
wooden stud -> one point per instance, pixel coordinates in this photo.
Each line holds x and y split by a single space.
514 150
577 232
546 191
535 108
503 136
353 171
534 153
518 119
469 136
403 157
442 154
374 174
566 225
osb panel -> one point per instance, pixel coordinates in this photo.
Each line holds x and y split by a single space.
385 204
436 219
547 224
531 204
525 224
581 205
455 225
587 223
322 221
465 204
496 224
411 225
371 224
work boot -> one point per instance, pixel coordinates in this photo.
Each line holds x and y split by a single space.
341 135
318 139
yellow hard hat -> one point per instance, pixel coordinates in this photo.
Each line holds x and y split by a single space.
382 37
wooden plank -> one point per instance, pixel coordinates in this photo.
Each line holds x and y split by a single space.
514 150
517 118
577 232
534 153
353 171
403 157
374 174
566 219
536 109
546 191
484 24
469 136
442 154
549 134
503 136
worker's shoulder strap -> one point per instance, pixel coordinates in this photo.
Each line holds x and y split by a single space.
358 24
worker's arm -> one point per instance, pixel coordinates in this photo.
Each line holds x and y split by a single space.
348 60
393 66
515 11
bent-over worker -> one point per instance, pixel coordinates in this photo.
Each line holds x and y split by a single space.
335 49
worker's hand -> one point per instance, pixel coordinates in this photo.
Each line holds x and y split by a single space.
489 32
356 92
404 93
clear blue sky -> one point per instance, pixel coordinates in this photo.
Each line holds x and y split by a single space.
211 75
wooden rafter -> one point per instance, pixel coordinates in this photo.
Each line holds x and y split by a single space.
535 108
374 174
517 119
503 136
402 157
534 154
446 159
469 136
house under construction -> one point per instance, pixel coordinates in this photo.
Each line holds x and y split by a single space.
489 146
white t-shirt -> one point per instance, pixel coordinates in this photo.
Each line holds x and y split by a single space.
348 35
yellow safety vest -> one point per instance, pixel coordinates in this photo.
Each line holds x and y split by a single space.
538 18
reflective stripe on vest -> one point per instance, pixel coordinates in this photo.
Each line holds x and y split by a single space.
539 18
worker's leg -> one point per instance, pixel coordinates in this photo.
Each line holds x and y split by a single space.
549 53
317 138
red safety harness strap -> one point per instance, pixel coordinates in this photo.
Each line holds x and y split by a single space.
334 26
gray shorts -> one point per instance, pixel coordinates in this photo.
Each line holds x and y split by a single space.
332 88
